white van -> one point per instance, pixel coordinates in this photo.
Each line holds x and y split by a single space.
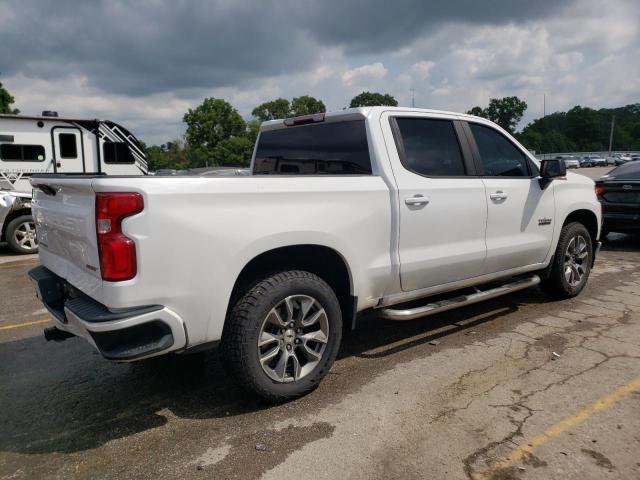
51 144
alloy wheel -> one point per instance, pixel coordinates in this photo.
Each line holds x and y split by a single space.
25 236
293 338
576 259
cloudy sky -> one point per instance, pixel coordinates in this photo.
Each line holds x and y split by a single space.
145 63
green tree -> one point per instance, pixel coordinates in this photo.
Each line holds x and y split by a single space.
253 128
210 123
6 100
278 108
478 112
531 139
373 99
506 112
233 152
173 155
584 129
306 105
587 128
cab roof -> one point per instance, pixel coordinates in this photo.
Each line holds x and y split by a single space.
363 112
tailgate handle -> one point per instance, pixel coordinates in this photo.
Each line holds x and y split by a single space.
46 189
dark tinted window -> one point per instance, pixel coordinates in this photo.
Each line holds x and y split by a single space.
117 152
337 148
68 147
500 157
628 171
21 153
430 147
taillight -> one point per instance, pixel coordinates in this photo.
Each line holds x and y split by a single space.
599 190
117 251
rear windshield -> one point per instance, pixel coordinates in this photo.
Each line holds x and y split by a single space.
337 148
628 171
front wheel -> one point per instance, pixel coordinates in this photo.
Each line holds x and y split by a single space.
571 264
283 335
21 235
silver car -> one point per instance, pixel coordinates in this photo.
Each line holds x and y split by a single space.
570 161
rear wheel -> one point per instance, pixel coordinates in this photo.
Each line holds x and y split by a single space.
571 263
283 335
21 235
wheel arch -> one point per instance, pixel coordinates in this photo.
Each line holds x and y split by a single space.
323 261
587 218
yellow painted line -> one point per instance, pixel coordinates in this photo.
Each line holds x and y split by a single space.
570 422
25 324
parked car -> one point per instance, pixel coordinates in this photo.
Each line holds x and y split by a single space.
570 161
598 161
622 159
344 212
227 172
619 194
586 162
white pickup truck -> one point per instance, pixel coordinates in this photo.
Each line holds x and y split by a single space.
368 208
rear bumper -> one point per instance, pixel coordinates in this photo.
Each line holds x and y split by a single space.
621 222
121 335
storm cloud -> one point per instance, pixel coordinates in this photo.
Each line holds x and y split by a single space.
149 47
147 62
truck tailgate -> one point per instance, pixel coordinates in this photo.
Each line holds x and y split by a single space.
64 213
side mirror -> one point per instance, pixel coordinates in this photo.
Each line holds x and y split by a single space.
550 169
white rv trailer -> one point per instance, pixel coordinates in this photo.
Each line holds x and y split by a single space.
51 144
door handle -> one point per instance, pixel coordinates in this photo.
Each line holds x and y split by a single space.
499 195
416 200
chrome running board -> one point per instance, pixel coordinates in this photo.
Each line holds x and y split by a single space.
451 303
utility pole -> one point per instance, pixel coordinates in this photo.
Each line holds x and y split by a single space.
413 97
613 122
544 105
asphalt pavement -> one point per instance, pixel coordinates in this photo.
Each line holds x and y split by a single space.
518 387
594 172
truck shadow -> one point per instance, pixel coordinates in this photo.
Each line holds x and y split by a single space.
66 398
619 242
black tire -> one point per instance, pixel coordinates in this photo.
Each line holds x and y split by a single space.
557 285
13 235
239 348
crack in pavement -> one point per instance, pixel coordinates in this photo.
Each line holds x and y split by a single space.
482 453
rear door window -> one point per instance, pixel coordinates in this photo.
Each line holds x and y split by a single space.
430 147
500 157
335 148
